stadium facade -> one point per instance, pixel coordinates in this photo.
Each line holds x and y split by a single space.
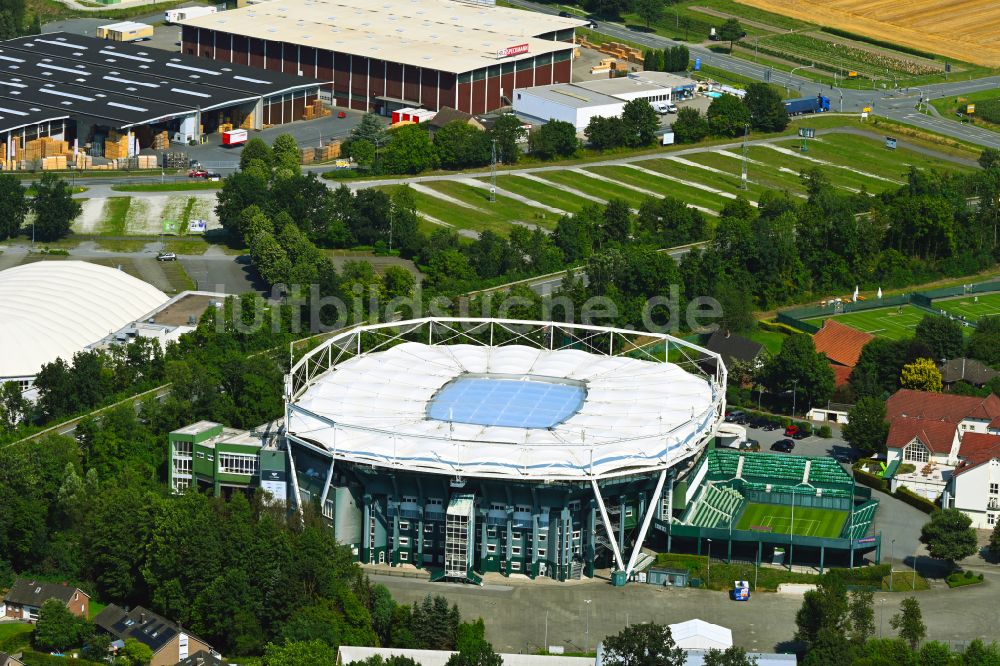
465 446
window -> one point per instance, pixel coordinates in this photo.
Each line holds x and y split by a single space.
182 484
991 519
182 448
628 512
201 454
410 499
541 552
491 548
543 535
491 532
915 452
182 465
238 463
498 506
404 525
404 556
576 534
211 457
515 566
404 541
994 488
523 508
428 529
515 550
435 501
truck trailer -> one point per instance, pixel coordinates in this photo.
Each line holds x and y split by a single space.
175 15
126 31
236 137
817 104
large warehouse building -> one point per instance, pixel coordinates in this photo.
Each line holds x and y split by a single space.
388 55
80 89
473 446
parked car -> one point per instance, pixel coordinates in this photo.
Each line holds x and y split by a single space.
198 172
802 434
166 256
791 430
736 416
749 445
341 114
843 458
213 176
783 446
564 14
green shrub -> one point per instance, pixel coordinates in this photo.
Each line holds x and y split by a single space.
961 578
824 431
865 478
776 327
906 468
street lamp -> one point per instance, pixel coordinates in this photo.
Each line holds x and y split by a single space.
788 81
881 616
795 389
708 576
587 642
891 550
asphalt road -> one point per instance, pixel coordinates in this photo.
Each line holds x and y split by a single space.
890 104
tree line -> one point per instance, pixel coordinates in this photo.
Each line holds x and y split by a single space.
50 200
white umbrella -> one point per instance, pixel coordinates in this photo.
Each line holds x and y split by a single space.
879 295
855 297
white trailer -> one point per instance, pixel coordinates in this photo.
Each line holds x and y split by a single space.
175 15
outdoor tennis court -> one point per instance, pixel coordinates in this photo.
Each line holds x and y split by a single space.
971 307
778 519
892 322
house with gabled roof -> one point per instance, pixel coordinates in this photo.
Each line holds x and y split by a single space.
842 346
26 596
168 641
945 437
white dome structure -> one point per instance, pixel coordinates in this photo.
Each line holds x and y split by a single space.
52 309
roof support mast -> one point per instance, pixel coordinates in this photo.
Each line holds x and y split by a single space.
651 508
607 525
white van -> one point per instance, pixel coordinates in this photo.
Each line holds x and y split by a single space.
664 107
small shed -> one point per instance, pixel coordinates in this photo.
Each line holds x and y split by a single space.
668 577
700 635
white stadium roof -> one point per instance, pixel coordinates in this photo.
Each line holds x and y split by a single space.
51 309
522 411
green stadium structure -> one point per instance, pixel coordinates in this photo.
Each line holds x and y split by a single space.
763 505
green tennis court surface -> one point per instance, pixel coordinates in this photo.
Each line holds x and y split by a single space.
778 519
892 322
972 306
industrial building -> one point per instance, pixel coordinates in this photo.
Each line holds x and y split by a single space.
88 91
470 446
578 103
389 55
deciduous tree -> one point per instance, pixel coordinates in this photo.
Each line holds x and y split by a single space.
909 622
689 126
727 116
866 427
767 109
56 629
650 11
555 138
14 205
732 32
55 208
459 145
643 645
943 336
409 151
507 132
948 536
640 122
921 375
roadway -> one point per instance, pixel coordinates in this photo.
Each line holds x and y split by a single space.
899 104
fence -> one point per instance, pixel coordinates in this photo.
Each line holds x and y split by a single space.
796 317
801 501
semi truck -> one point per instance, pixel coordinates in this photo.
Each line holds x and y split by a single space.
817 104
175 15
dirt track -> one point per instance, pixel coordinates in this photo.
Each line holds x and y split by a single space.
963 29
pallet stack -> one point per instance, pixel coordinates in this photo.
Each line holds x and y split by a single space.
146 162
315 110
307 155
247 123
54 163
116 145
161 141
330 151
225 127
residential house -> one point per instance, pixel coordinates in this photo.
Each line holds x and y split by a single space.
202 658
974 488
968 370
168 641
8 660
842 346
931 431
347 654
27 595
736 348
447 115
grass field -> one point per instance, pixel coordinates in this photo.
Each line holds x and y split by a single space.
971 307
807 521
892 322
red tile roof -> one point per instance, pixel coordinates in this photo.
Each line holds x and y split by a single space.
941 406
937 436
978 448
841 374
841 344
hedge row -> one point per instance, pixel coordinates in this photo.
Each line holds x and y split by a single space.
877 42
39 659
776 327
914 500
868 479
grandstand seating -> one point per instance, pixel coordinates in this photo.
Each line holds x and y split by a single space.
773 467
717 507
723 464
863 517
828 470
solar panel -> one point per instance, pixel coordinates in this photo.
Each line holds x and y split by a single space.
516 403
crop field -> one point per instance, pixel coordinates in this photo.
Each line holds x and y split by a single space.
836 54
970 307
962 29
803 521
893 323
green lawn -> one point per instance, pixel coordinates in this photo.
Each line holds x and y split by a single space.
771 179
872 156
504 208
804 521
716 181
14 635
542 193
592 186
667 187
114 213
169 187
837 176
772 340
971 307
893 323
949 106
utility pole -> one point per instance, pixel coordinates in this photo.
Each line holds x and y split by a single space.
493 171
743 175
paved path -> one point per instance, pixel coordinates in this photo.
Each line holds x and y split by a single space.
520 613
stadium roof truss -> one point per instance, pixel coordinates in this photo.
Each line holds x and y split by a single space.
654 405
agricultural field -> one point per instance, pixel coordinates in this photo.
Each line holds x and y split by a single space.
965 30
987 112
706 179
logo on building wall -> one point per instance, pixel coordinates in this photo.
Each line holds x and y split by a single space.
512 51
